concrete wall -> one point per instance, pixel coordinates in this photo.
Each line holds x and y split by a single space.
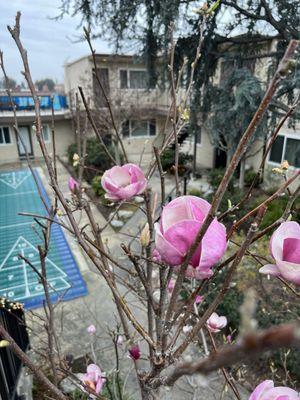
78 73
205 151
64 137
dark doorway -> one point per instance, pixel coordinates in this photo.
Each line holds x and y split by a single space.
220 158
25 142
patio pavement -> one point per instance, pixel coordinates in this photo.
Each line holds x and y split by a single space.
74 316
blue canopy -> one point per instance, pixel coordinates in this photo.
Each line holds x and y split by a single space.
26 102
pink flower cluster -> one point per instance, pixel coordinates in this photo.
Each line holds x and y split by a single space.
123 183
285 249
267 391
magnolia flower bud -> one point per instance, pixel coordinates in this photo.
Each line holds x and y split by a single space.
73 185
285 165
199 299
187 329
135 352
145 236
76 159
91 329
120 340
278 171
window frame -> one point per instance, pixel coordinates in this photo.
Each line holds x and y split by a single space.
285 136
149 121
10 135
128 78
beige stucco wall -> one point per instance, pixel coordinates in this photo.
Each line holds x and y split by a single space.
9 152
64 137
78 73
205 151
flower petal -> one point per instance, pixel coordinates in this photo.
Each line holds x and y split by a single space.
270 269
170 254
289 271
291 250
182 235
260 389
213 244
120 176
290 229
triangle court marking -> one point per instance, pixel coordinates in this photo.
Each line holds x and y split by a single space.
14 179
22 243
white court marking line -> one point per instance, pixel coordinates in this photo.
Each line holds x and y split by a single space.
67 286
12 226
18 193
24 265
15 183
23 246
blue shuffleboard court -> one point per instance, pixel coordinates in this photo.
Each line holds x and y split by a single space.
18 281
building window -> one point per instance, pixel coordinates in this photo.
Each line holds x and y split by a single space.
135 128
46 133
5 137
286 148
133 79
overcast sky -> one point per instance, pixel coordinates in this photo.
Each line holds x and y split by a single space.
48 42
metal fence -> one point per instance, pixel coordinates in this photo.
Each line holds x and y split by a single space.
12 318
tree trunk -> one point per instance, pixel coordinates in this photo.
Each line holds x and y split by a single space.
117 151
148 393
242 173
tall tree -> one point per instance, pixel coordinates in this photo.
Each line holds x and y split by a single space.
245 25
46 82
12 84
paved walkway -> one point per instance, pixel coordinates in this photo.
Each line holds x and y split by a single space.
73 317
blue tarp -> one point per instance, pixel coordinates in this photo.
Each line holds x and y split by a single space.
26 102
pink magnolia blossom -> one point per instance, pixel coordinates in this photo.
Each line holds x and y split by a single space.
267 391
93 378
91 329
135 352
179 224
285 249
123 183
73 185
215 323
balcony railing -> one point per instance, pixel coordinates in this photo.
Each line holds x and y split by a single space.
155 100
12 318
25 103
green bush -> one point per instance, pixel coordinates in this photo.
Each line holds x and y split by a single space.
195 192
168 161
96 158
215 176
249 177
276 209
97 187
